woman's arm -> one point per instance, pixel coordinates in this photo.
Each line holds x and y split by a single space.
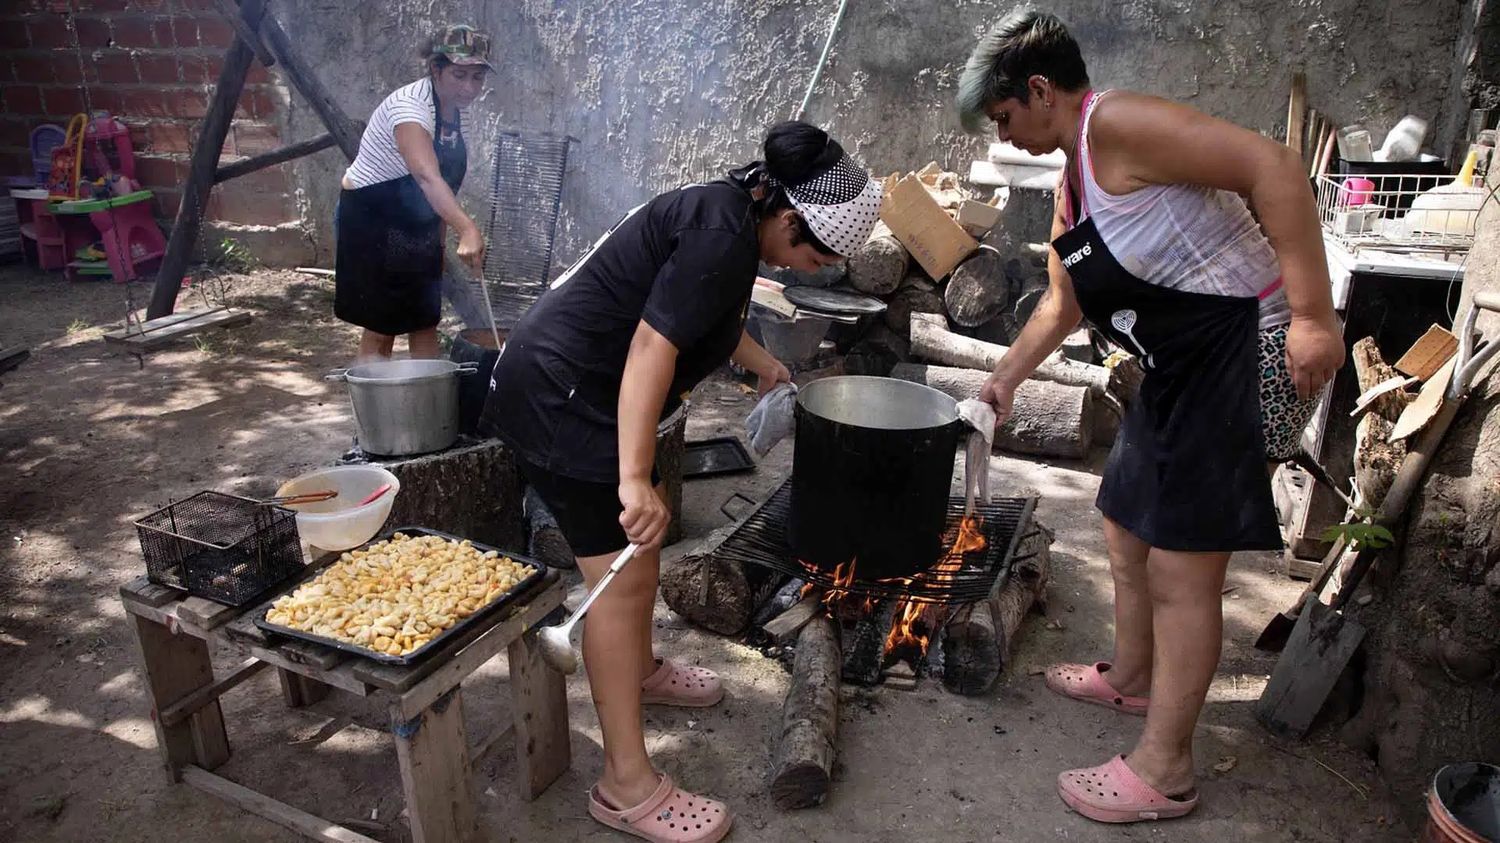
752 357
1140 140
649 367
1055 316
415 145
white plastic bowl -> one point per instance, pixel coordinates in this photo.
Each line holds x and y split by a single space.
340 524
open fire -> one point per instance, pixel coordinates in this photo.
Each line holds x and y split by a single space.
915 619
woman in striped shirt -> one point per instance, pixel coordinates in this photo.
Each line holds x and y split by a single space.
399 194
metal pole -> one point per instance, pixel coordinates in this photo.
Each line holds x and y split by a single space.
822 60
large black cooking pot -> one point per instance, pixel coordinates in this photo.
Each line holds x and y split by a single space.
871 473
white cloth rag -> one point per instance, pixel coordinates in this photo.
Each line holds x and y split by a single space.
773 419
980 417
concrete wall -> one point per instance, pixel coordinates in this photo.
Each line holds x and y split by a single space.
664 91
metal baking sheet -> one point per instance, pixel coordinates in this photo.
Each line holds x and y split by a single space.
719 455
523 587
834 300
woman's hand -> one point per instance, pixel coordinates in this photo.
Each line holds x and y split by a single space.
471 248
1000 395
772 374
645 517
1314 353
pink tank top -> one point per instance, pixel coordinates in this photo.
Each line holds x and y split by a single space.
1183 237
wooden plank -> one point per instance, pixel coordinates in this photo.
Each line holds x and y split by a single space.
244 32
308 85
398 678
270 159
454 670
539 703
137 341
310 654
1428 354
784 627
479 751
206 613
434 760
180 710
165 616
1296 112
299 691
284 815
1425 408
142 590
206 150
339 677
175 666
158 324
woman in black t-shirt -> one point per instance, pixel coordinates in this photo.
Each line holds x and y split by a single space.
652 308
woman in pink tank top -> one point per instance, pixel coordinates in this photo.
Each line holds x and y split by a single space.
1235 327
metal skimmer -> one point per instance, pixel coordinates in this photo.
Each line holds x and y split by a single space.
761 540
525 195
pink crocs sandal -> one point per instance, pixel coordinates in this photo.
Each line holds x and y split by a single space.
670 815
684 685
1086 683
1113 793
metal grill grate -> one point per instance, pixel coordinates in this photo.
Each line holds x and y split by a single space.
525 195
761 540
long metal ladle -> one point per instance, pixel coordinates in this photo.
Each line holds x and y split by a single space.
556 642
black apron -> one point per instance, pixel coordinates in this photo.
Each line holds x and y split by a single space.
390 245
1188 470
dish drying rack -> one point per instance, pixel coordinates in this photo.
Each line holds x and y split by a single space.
1383 218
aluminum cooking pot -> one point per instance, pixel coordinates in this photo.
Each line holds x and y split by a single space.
872 469
404 407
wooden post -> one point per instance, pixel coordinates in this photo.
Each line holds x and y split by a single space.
271 159
539 701
307 84
211 134
176 666
434 759
802 766
299 691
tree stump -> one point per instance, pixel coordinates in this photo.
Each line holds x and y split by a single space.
979 637
878 267
471 490
979 290
1049 419
709 592
915 295
802 765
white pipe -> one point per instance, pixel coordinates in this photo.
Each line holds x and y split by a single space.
822 60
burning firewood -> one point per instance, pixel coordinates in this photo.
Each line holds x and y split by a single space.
802 766
977 641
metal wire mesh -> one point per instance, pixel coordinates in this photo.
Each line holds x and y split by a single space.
762 540
1398 212
525 195
221 547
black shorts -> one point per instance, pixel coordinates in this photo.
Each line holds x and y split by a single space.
587 512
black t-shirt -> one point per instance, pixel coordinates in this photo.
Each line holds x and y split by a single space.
685 263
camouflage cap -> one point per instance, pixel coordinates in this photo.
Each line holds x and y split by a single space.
462 44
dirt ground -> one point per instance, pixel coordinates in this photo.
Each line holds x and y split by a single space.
91 438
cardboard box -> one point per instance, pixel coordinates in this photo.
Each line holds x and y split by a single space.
1428 354
937 243
977 217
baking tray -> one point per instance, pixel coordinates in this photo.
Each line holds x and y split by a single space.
719 455
525 586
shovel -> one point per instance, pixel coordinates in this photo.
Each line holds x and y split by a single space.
1324 640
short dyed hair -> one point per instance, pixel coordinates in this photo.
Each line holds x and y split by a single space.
1026 43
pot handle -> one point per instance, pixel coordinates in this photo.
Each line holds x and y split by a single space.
468 367
337 375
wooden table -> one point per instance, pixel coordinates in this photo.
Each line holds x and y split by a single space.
423 701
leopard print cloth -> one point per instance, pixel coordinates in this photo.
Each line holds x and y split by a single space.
1283 415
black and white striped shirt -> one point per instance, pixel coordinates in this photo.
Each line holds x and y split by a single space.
379 160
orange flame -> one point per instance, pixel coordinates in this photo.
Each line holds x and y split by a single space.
915 620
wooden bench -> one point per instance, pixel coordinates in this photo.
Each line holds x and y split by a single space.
175 632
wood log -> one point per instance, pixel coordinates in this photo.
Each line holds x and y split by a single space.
864 653
709 592
1376 458
206 150
878 267
271 159
787 625
979 290
1371 369
302 78
932 341
977 640
1049 419
877 351
915 295
802 765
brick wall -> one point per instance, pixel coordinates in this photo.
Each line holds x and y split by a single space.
153 64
